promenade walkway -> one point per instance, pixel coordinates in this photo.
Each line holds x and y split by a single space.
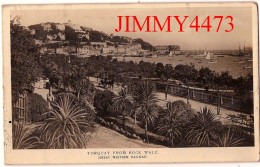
196 105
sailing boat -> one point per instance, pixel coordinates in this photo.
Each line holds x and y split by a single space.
208 56
205 53
210 59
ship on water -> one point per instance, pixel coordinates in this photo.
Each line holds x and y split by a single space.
210 58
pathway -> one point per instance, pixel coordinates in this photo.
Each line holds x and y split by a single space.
194 104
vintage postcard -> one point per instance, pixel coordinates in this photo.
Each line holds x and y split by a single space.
131 83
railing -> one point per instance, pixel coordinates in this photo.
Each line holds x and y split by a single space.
231 102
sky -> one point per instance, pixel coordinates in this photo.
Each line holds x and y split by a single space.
106 20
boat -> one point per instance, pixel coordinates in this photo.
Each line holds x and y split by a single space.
212 61
247 67
208 57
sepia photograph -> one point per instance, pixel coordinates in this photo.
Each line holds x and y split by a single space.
102 77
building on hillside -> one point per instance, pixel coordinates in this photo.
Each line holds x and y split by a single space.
83 34
84 49
109 50
168 49
60 27
46 26
32 31
61 36
162 49
98 45
145 53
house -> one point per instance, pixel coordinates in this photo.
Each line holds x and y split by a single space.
32 31
98 45
60 27
162 49
168 49
46 26
84 49
61 36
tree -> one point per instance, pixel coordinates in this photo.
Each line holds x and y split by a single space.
159 69
203 128
144 45
173 119
24 59
145 96
207 77
123 103
184 72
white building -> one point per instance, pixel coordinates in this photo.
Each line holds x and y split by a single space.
60 27
46 26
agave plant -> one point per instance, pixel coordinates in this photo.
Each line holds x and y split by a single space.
169 123
228 140
23 138
145 94
203 128
67 125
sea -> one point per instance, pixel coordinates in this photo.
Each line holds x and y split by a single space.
236 65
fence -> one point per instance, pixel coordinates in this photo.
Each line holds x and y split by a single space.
20 107
230 102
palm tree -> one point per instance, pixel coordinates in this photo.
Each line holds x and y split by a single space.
123 103
145 94
169 123
203 128
68 124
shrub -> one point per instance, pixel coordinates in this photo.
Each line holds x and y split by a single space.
228 139
68 124
203 128
37 107
103 102
24 138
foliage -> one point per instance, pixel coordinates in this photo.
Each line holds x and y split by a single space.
123 102
37 107
145 96
228 140
23 138
24 59
203 128
145 45
172 121
67 125
184 72
103 103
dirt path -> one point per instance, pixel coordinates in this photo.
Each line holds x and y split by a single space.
107 138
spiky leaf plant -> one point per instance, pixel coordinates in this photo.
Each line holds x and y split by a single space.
169 124
228 140
68 124
203 128
23 138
